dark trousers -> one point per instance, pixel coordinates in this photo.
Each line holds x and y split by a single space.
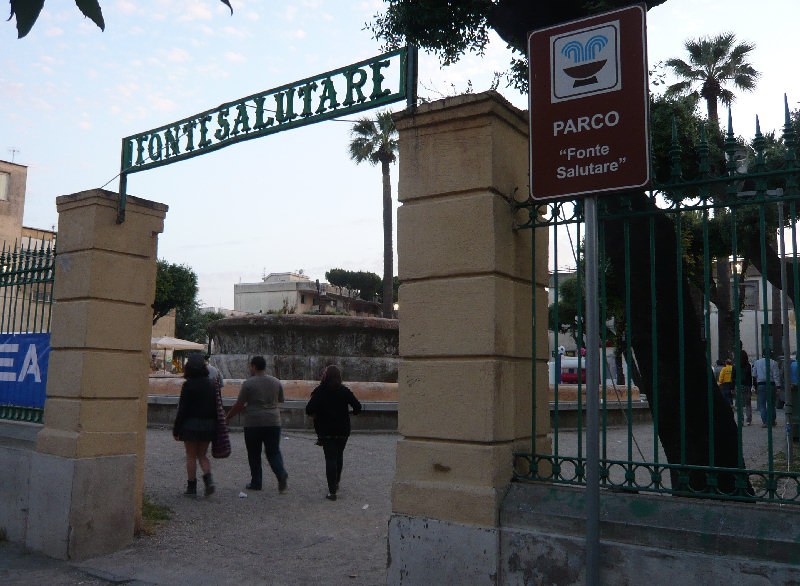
270 438
333 447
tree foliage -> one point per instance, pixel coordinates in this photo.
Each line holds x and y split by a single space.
452 29
192 324
176 287
714 62
363 284
27 11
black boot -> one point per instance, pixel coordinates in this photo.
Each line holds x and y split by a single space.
191 488
208 480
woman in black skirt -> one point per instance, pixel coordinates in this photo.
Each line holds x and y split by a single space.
328 406
195 423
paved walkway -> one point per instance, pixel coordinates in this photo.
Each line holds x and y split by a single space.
268 538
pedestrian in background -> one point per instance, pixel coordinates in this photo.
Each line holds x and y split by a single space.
767 380
259 398
329 406
725 381
195 423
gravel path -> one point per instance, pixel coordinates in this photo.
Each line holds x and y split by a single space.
267 538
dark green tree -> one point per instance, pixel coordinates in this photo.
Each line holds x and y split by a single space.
451 29
176 286
192 324
27 11
362 284
376 141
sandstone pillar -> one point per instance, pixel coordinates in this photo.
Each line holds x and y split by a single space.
87 477
465 336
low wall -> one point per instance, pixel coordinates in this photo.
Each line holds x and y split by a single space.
161 410
645 539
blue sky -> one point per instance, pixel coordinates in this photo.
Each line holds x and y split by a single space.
69 93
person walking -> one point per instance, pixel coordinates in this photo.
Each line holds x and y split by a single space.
328 405
725 381
196 421
259 398
767 380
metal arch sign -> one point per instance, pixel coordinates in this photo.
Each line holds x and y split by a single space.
354 88
589 106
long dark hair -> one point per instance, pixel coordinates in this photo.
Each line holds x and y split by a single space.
332 376
195 367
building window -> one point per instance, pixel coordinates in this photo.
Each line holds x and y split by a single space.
4 180
302 299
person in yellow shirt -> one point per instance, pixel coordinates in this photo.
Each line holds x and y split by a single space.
726 381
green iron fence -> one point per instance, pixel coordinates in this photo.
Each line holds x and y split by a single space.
26 288
671 261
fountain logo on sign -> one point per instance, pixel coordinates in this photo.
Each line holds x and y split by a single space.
585 62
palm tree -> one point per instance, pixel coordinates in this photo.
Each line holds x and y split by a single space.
376 141
713 63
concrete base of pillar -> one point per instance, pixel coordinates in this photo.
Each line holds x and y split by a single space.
79 508
430 551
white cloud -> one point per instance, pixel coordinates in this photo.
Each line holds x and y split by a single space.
212 71
235 57
53 31
252 15
136 63
48 59
291 12
160 103
176 55
195 11
235 32
297 34
327 16
126 7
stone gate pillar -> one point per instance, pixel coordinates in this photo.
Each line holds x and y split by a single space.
465 336
87 477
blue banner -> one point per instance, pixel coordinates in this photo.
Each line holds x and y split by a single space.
23 369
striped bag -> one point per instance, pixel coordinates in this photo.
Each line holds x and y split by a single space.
221 445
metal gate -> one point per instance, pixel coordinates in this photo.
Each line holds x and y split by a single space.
26 293
678 266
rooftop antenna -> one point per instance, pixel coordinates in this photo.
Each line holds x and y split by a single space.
13 151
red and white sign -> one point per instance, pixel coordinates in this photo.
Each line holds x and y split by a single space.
589 106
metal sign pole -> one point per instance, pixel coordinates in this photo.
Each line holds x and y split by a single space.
592 396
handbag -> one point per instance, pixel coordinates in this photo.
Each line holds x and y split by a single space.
221 444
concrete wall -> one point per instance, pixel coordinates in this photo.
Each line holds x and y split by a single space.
85 479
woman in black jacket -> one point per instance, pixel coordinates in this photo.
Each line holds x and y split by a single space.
195 424
328 406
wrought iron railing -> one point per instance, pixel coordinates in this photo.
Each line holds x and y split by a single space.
27 272
671 260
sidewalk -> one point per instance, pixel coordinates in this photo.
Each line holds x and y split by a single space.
266 538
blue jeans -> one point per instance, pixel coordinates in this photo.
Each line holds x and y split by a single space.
270 438
763 406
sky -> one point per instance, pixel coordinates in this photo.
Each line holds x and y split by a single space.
293 200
